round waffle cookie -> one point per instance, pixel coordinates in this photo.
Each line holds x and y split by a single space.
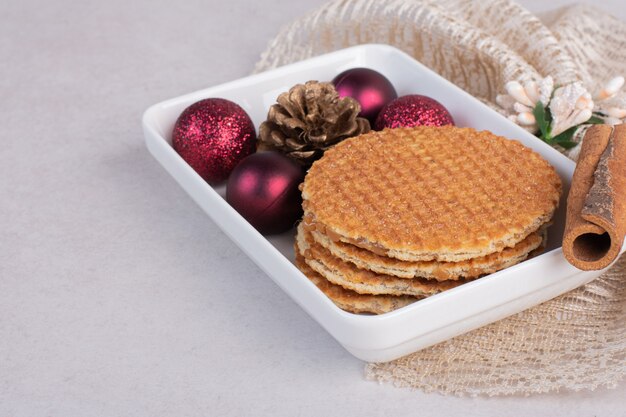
350 300
430 193
441 271
364 281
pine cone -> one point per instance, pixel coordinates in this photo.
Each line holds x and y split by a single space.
308 119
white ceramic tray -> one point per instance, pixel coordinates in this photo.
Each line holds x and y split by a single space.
426 322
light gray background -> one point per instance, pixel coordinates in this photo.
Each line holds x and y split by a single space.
118 296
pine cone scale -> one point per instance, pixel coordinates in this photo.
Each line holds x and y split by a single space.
305 155
294 144
308 119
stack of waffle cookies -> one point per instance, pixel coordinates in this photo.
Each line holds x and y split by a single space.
395 216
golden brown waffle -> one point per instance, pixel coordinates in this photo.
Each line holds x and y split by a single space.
350 300
542 247
430 193
364 281
441 271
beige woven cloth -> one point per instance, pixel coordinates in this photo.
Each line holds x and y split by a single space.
576 341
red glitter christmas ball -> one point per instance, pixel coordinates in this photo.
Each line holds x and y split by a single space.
370 88
213 135
263 188
413 110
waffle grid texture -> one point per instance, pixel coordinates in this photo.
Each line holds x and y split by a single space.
350 300
427 193
364 281
441 271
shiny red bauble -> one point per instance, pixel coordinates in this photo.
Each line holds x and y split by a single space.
263 188
370 88
212 136
413 110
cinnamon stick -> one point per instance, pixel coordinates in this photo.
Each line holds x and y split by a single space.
596 205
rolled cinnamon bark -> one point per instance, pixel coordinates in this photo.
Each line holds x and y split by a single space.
596 204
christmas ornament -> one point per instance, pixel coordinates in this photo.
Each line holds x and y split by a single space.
263 188
213 135
308 119
413 110
370 88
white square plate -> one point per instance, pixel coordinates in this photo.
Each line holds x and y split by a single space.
426 322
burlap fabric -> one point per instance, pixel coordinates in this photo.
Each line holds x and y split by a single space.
576 341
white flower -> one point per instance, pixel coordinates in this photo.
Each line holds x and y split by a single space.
519 93
526 119
570 106
613 115
546 86
577 137
616 112
610 113
521 100
612 121
611 88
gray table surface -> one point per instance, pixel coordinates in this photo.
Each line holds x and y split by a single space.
118 296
